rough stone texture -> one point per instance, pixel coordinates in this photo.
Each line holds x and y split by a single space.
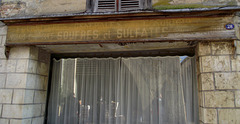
3 30
2 80
3 40
24 76
43 109
42 68
2 52
219 48
193 3
215 63
207 81
4 121
41 84
209 116
8 65
19 52
219 99
5 95
20 121
10 8
204 48
227 80
23 96
21 111
229 116
40 97
236 63
38 120
237 98
16 81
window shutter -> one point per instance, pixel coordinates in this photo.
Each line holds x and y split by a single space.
129 5
117 5
106 5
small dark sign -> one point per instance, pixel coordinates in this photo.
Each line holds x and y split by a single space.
229 26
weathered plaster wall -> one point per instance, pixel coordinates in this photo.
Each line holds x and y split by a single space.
219 83
23 83
10 8
181 4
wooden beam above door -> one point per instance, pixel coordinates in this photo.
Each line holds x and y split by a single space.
115 31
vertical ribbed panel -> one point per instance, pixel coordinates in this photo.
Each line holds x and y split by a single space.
139 90
189 80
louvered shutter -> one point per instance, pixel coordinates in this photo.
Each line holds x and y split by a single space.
129 5
117 5
106 5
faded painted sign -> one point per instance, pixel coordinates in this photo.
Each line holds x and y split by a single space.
123 30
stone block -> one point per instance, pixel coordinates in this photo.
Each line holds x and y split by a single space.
6 95
23 96
26 65
20 52
238 47
38 120
40 82
227 80
34 53
0 110
2 52
229 116
43 109
237 98
215 63
11 65
221 48
20 121
45 85
16 81
43 56
8 65
22 65
201 98
204 48
21 111
209 116
3 40
219 99
2 80
42 68
32 67
40 97
31 81
207 81
236 63
4 121
3 30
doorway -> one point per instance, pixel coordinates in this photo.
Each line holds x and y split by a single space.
132 90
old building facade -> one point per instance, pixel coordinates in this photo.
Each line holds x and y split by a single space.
32 33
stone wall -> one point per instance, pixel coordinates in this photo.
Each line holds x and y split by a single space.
11 8
23 83
22 8
181 4
219 83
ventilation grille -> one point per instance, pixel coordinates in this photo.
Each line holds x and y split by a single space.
129 4
106 5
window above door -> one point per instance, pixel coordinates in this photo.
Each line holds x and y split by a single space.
117 5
